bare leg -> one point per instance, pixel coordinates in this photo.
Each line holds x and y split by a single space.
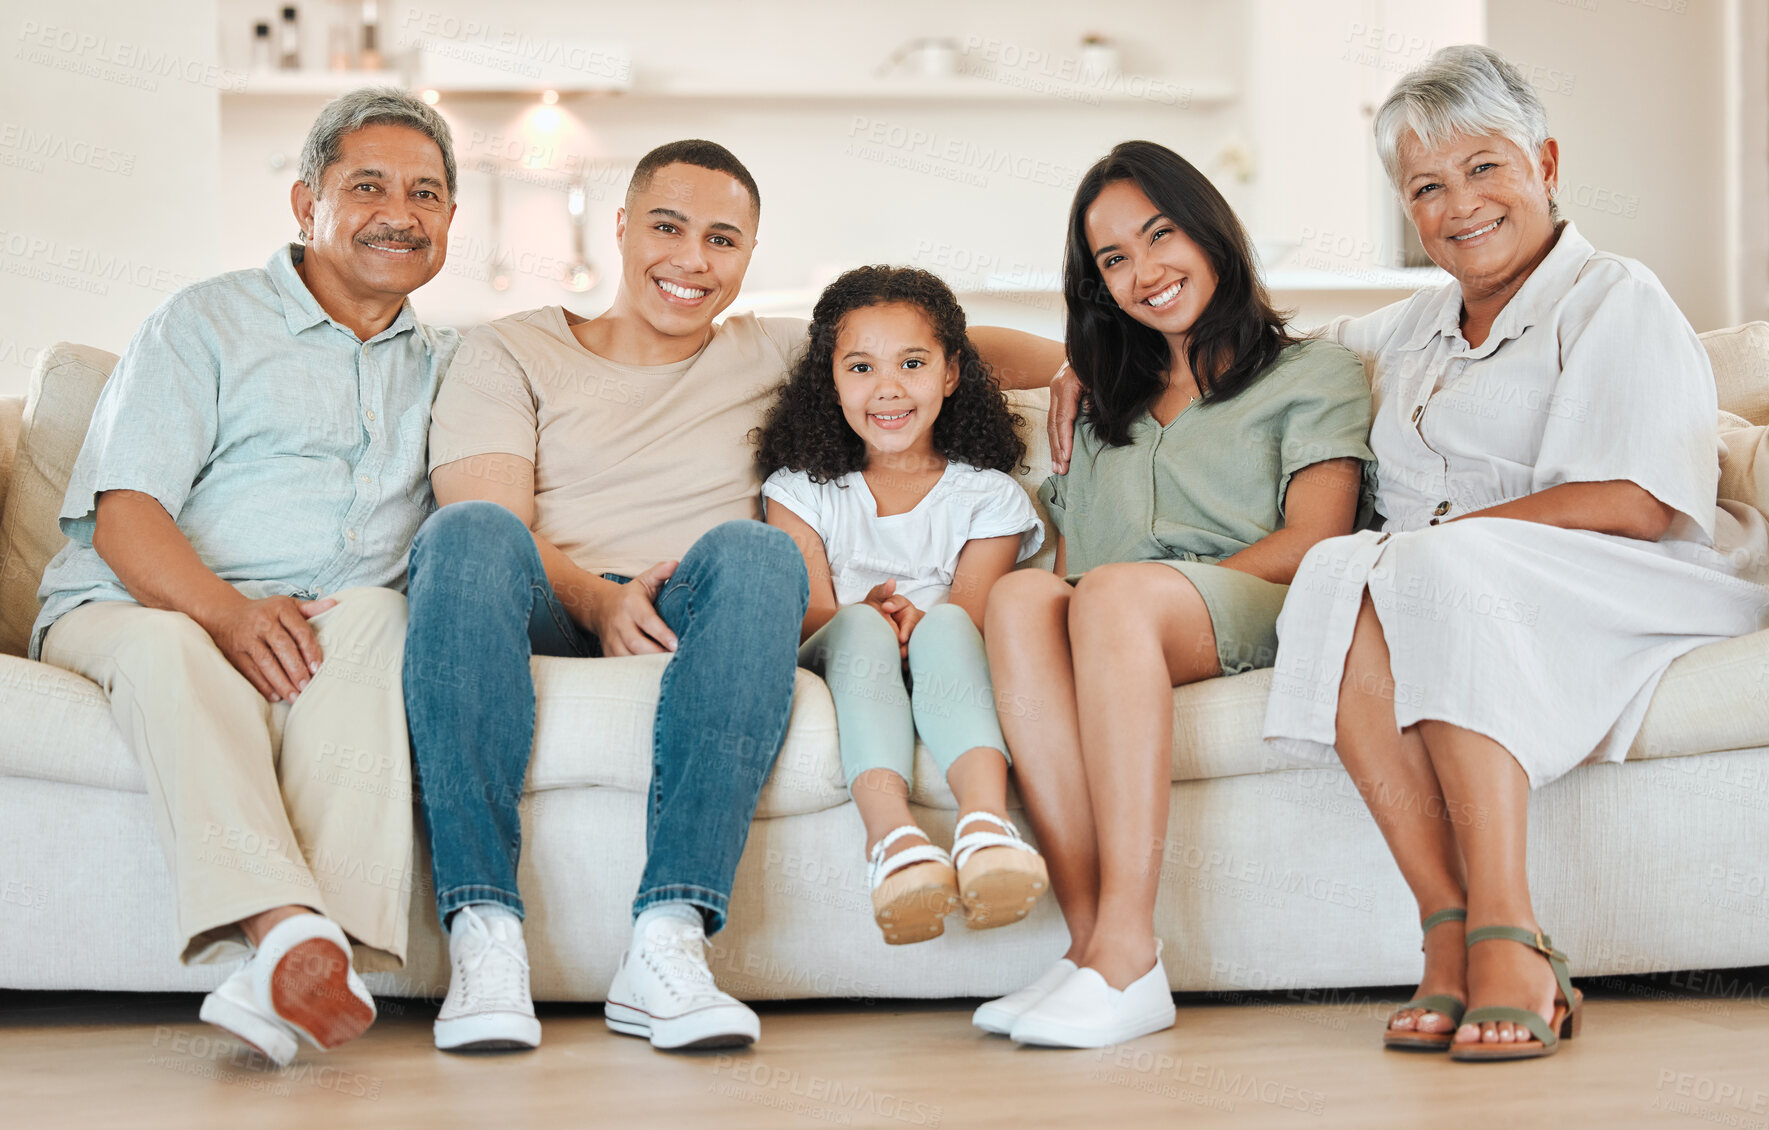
1138 630
1027 634
263 923
883 800
979 782
1489 793
1396 778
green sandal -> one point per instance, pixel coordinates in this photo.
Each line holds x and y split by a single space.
1411 1038
1548 1033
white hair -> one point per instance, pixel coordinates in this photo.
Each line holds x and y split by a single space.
1465 90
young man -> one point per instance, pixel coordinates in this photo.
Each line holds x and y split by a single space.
239 518
599 497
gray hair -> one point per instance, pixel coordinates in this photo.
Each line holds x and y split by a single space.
1464 90
371 106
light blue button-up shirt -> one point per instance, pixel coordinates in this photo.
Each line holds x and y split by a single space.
289 451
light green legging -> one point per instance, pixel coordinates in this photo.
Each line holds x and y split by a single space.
953 706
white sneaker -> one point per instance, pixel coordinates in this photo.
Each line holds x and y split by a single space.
234 1009
998 1016
488 1004
664 991
302 975
1085 1012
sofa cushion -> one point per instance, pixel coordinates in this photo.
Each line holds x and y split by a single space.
1740 356
1033 407
64 387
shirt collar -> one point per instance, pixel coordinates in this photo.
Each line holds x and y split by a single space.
1544 288
303 311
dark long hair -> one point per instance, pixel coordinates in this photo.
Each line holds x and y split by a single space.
1119 360
805 429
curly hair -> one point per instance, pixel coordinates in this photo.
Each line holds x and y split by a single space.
805 429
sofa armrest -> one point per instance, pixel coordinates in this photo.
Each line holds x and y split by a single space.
12 414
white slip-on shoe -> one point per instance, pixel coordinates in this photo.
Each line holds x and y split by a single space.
233 1007
1085 1012
488 1005
302 975
998 1016
664 992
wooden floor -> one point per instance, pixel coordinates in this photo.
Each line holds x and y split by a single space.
1675 1050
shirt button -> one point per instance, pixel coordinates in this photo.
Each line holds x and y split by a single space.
364 478
1434 521
370 415
1442 509
351 534
1417 412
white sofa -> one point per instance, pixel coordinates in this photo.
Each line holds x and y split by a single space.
1275 877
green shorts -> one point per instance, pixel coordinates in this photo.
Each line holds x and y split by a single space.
1243 612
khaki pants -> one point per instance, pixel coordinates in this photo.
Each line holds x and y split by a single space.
261 805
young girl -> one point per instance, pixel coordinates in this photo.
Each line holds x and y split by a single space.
887 459
1215 450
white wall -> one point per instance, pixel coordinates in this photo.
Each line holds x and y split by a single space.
109 168
1635 93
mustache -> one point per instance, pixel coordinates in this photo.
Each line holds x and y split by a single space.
408 239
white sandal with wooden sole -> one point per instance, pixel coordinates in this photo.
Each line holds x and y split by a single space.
1000 875
913 891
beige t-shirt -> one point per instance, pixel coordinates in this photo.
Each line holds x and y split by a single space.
632 463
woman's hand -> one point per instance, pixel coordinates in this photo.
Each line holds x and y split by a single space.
1065 409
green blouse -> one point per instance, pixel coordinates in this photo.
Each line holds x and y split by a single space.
1212 481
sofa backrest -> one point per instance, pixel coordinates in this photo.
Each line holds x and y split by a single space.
64 388
47 435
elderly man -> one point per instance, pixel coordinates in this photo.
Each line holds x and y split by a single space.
238 520
600 496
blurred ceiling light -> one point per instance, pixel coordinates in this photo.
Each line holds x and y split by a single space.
432 97
550 97
546 119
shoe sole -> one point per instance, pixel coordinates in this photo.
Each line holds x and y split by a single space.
682 1034
261 1035
498 1031
911 906
310 990
1061 1036
996 1023
1000 885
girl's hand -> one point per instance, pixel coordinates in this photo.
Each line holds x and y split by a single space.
906 616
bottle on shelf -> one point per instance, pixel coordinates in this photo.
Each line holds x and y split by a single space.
261 47
370 59
289 41
340 36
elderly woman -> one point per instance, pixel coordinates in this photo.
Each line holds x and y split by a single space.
1547 470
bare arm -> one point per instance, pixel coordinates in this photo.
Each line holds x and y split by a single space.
1321 503
268 641
822 607
1020 360
1614 507
623 617
981 563
1061 565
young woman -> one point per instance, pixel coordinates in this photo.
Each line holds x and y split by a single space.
1215 449
888 456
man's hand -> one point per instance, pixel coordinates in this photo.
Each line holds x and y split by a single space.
271 643
625 617
1065 408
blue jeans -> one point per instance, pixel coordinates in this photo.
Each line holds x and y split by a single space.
481 606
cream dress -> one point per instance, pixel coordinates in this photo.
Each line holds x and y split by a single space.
1548 641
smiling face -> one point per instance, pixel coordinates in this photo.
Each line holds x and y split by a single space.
685 242
378 227
892 376
1481 207
1151 268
